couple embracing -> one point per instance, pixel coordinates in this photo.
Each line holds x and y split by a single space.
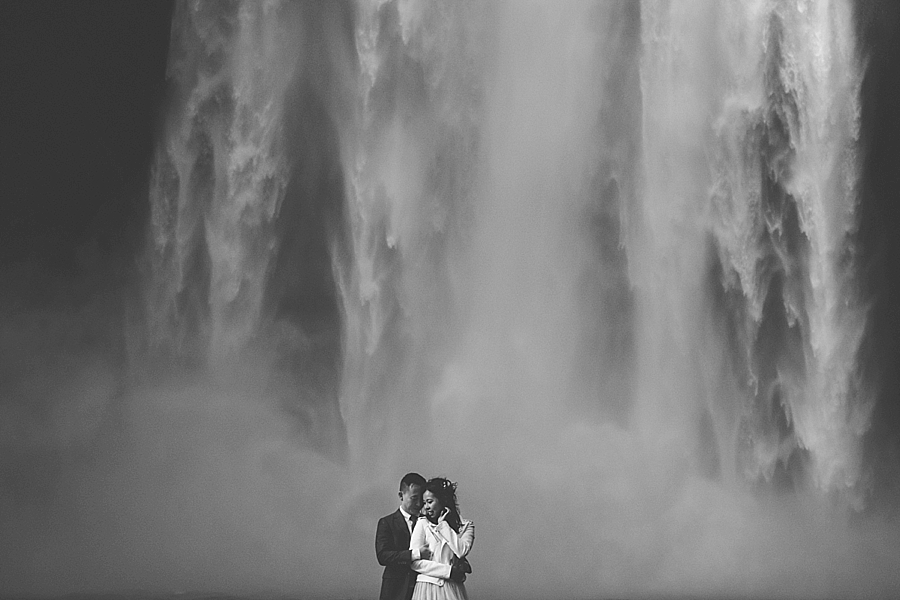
423 545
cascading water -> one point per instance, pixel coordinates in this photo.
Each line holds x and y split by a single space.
749 200
594 256
220 176
224 281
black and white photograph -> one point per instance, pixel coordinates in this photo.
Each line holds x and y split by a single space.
296 293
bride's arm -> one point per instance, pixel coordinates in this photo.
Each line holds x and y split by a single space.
426 567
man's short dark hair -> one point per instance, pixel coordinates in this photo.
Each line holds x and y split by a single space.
411 479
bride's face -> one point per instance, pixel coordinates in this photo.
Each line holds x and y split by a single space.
433 507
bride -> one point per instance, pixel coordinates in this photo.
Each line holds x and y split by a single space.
449 539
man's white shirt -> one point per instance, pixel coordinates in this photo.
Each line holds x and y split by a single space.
416 555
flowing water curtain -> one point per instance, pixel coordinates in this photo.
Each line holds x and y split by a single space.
802 319
832 411
677 375
219 175
473 173
767 145
408 155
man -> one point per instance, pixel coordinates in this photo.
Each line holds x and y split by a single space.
392 541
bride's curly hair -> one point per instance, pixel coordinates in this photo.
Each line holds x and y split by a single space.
445 491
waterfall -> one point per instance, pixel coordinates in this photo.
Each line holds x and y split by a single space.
483 215
219 176
750 130
408 156
599 249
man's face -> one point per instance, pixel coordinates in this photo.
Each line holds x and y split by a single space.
411 499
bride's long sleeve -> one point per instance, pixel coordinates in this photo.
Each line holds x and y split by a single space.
426 567
460 543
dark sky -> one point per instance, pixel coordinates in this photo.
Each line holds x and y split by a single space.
82 84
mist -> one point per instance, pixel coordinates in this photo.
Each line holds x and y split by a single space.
622 270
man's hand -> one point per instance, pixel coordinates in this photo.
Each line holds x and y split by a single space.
424 553
457 575
464 566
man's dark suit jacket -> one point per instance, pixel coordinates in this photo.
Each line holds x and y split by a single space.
392 550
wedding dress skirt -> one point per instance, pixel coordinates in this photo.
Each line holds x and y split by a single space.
449 591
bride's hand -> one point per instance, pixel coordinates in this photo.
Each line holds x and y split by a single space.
444 514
